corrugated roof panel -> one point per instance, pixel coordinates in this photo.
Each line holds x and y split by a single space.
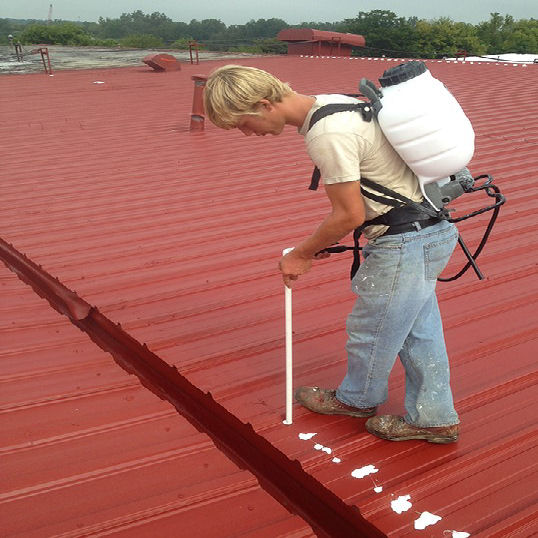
87 450
176 235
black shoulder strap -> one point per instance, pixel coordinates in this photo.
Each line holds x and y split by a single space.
365 110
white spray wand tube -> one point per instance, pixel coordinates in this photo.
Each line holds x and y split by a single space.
289 351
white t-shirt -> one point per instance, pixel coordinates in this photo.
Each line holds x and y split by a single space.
345 148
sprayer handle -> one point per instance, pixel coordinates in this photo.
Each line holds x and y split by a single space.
369 89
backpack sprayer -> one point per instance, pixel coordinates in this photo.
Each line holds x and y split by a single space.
428 128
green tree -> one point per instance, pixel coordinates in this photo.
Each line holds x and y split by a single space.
523 37
180 30
142 41
10 27
204 30
138 23
494 31
65 33
444 37
385 33
504 34
326 26
263 28
257 36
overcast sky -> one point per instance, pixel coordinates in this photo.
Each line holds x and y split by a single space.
291 11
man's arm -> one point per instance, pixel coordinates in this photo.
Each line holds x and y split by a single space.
347 213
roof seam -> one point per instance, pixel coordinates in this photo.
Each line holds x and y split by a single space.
282 478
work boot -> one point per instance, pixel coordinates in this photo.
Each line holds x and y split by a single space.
324 401
394 428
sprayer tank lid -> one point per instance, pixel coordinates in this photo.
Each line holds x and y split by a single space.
402 73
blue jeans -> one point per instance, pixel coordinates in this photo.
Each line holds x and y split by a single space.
396 313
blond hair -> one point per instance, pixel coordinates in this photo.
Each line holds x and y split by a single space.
232 91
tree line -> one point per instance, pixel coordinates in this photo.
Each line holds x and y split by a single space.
386 34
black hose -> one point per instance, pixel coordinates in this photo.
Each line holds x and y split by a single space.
500 200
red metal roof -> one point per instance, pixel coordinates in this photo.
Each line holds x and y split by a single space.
86 449
310 34
176 236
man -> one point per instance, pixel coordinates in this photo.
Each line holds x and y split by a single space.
396 312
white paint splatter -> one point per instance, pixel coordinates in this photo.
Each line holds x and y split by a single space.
426 519
458 534
378 489
306 436
401 504
364 471
326 449
336 460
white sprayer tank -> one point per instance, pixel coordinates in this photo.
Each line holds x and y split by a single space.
424 123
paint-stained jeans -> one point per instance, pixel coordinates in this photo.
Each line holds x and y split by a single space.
396 313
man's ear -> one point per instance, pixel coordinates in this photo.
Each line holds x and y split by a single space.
267 105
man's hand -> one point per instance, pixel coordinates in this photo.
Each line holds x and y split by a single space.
292 265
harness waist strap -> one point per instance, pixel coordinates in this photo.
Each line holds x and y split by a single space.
411 226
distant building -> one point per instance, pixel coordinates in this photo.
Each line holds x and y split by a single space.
307 41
